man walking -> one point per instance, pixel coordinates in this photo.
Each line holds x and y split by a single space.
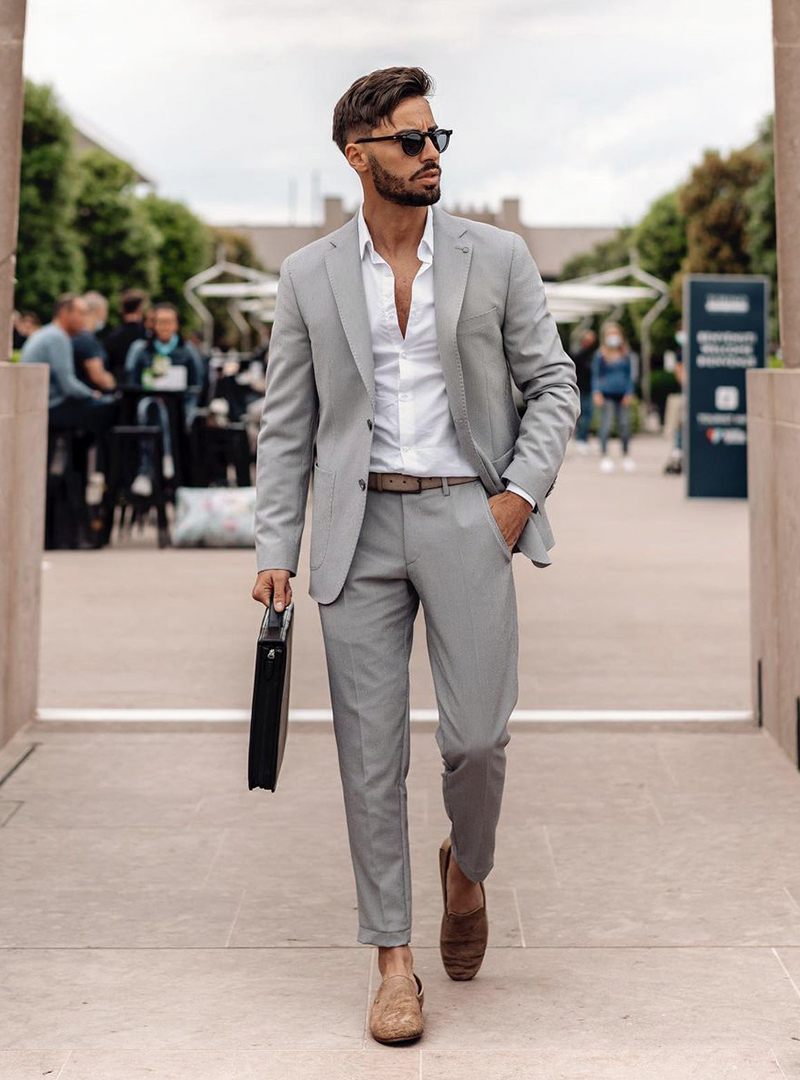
388 382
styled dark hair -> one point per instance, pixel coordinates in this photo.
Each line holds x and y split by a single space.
132 299
65 300
374 97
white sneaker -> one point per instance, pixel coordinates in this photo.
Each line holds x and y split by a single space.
606 464
628 464
167 467
142 485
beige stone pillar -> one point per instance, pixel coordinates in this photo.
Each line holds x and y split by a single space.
773 431
786 50
12 30
23 422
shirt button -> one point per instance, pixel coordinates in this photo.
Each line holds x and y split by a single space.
369 424
402 356
405 449
362 484
404 397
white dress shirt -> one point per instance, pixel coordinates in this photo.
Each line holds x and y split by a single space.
414 432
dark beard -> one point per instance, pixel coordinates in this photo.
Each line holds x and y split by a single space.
391 188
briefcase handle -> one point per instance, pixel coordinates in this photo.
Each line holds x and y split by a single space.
275 624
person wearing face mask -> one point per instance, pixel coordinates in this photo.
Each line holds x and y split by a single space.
612 391
91 358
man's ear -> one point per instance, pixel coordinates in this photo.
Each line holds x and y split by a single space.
356 158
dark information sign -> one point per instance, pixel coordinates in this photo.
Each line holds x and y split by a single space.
725 318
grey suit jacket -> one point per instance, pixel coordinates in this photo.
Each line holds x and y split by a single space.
491 320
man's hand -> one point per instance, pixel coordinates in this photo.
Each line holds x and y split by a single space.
512 514
271 583
598 398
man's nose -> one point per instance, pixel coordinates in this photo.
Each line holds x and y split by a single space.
430 153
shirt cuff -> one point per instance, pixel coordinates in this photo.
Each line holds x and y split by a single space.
511 486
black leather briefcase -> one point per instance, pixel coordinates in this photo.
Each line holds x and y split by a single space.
270 712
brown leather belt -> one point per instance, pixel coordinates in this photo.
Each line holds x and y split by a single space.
396 481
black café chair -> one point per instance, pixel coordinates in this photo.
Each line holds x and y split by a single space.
65 504
214 449
123 466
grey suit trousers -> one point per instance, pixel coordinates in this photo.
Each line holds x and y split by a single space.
445 550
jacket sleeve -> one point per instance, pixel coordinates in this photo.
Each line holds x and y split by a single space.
286 435
545 375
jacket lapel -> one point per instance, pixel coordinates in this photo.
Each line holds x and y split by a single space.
452 256
344 272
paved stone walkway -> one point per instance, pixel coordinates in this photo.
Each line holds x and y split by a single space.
644 606
157 919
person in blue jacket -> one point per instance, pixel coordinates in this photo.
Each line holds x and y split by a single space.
613 390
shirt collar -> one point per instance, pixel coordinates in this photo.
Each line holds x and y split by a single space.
424 251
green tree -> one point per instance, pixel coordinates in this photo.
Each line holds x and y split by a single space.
661 246
185 247
717 212
49 257
119 242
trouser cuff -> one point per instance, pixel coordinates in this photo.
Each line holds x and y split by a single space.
368 936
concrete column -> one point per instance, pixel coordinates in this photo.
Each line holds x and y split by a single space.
23 467
23 422
12 30
773 431
786 50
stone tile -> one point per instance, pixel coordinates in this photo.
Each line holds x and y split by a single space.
32 1064
617 1003
309 854
298 911
237 1065
746 854
8 807
106 808
119 858
168 999
746 1059
52 916
679 913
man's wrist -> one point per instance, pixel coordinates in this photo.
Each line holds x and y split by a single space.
515 489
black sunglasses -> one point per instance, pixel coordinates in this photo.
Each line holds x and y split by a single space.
413 142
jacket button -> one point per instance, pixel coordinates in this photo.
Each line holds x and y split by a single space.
369 424
465 249
362 484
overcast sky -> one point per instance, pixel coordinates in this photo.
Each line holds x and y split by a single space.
585 109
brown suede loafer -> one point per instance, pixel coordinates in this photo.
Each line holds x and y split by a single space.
396 1013
463 935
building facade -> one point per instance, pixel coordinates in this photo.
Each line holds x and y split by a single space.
551 246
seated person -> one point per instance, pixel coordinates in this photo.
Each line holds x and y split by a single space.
133 305
149 359
72 404
91 358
